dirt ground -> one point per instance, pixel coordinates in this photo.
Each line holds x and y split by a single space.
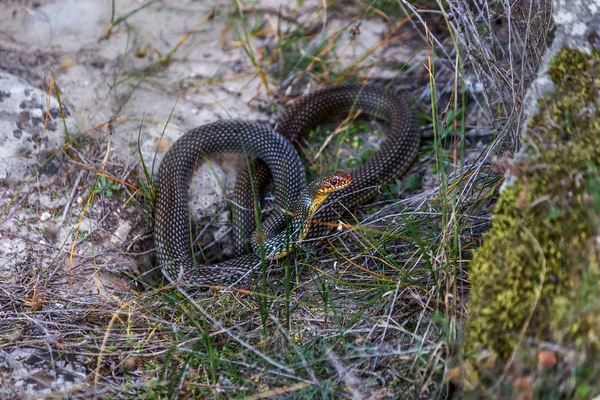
103 76
128 90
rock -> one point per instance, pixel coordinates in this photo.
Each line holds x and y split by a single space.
45 216
47 200
67 23
209 179
52 231
207 187
121 233
27 141
33 372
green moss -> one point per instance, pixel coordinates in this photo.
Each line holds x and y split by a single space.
538 267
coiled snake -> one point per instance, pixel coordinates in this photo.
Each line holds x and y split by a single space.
171 210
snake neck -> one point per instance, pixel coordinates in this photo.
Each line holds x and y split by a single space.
279 245
311 198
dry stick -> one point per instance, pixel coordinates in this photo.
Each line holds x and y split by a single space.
270 371
211 244
72 195
201 233
75 243
346 375
12 211
109 128
380 277
103 346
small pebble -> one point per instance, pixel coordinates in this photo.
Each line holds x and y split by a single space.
121 233
67 62
52 231
163 144
546 358
131 363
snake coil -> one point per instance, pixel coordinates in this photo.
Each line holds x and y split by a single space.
273 147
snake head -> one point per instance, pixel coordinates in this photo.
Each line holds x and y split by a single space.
333 182
320 189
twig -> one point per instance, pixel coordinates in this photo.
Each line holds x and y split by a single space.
72 195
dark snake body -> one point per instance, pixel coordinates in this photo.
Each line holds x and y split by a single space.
172 222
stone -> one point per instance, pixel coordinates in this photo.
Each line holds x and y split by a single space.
30 123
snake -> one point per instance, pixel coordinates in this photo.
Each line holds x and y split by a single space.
273 148
279 244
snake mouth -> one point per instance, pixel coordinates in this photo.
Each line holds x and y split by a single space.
333 182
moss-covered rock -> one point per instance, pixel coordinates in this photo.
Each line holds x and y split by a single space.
536 277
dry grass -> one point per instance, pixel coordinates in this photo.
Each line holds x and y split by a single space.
374 311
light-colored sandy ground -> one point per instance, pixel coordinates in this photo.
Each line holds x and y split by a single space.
102 78
208 78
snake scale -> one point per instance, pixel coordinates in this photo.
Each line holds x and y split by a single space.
171 211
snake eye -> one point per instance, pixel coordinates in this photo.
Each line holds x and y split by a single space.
333 181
